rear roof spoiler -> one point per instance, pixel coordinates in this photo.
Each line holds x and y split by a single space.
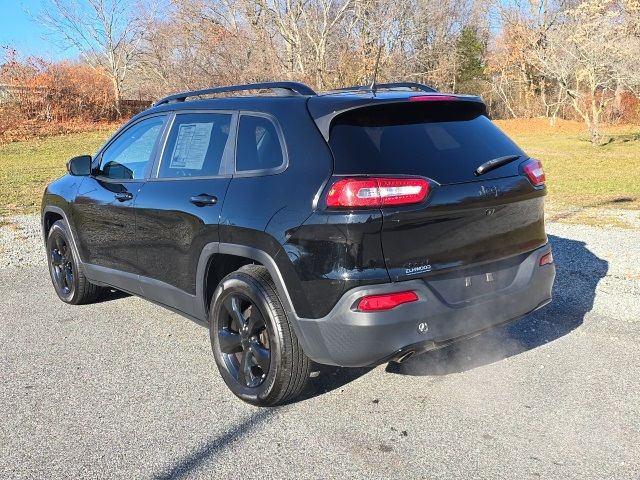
387 86
325 108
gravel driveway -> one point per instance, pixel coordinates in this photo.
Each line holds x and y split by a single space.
126 389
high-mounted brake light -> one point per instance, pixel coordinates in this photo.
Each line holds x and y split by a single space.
377 303
432 98
534 171
376 192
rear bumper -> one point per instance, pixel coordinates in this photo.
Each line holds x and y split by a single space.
350 338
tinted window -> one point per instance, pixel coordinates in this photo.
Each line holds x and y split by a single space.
445 142
258 145
195 146
128 156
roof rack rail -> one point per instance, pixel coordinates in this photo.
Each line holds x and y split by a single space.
295 87
389 86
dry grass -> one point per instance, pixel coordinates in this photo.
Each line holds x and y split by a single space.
597 217
36 129
587 184
520 126
27 167
541 126
582 175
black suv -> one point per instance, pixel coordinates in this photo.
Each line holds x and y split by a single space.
350 228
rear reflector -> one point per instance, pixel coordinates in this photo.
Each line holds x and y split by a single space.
377 303
533 170
376 192
546 259
432 98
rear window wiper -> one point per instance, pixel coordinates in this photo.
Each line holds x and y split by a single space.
495 163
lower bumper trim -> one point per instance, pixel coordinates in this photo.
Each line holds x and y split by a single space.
350 338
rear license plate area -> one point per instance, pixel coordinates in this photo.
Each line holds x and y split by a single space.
467 284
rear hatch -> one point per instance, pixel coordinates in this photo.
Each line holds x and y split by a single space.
468 226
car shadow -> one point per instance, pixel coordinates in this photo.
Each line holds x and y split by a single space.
578 272
110 294
330 378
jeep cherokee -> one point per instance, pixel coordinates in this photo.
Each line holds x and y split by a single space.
351 228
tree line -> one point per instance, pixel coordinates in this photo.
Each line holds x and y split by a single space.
555 58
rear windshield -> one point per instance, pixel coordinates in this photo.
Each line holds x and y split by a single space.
444 141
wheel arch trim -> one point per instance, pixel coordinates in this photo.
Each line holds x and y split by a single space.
269 263
63 214
252 253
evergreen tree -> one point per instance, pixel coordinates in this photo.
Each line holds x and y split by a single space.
471 52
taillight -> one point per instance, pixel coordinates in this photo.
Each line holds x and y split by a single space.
546 259
376 192
432 98
535 173
387 301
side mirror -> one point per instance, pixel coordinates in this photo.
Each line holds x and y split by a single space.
80 165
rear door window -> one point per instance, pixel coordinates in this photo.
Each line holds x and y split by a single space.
259 148
196 145
445 142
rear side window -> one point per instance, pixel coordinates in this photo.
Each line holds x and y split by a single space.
445 142
195 146
259 146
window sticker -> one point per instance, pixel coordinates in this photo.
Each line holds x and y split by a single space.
191 146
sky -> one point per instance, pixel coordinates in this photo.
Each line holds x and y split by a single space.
19 28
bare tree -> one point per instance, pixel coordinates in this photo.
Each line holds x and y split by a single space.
327 43
105 32
543 57
523 88
591 54
431 31
372 29
201 43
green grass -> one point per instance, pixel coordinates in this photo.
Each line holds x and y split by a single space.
581 175
578 174
27 167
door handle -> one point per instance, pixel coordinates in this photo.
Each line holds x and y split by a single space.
123 196
203 199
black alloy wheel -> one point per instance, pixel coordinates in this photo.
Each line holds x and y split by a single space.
244 340
253 343
61 261
67 274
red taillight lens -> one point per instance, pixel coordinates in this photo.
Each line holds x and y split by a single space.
377 303
433 98
376 192
546 259
533 170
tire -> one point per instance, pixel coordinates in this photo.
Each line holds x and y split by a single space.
65 269
249 297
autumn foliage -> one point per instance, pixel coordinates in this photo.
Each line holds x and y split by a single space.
55 91
64 91
39 97
557 59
